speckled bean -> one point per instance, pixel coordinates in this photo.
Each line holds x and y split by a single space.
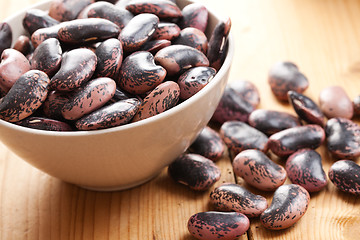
217 43
25 96
66 10
343 138
193 37
87 30
109 58
194 15
304 168
47 57
13 64
35 19
89 97
285 76
306 108
208 144
334 102
258 170
193 80
121 95
138 31
113 115
139 73
179 58
345 175
270 122
23 44
356 105
161 8
288 205
5 36
239 136
233 197
218 225
42 34
166 31
290 140
162 98
54 103
154 46
238 101
44 124
194 171
108 11
77 67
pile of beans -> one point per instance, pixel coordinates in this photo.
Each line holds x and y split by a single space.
251 134
87 65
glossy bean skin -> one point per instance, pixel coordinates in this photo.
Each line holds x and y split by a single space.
87 30
42 34
89 97
334 102
45 124
161 8
108 11
54 103
239 136
47 57
193 37
116 114
138 31
77 67
193 80
154 46
194 171
139 73
5 36
343 138
216 46
208 144
356 105
166 31
109 58
285 76
288 205
258 170
194 15
304 168
162 98
66 10
247 90
12 66
344 174
25 96
290 140
239 100
233 197
23 44
179 58
218 225
35 19
306 108
270 122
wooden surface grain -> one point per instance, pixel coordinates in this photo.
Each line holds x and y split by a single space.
322 37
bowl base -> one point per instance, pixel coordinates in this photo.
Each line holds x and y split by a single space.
121 187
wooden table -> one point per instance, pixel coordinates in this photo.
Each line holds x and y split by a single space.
322 37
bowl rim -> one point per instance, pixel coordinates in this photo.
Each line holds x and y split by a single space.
221 73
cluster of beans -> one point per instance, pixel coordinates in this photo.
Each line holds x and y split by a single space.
88 65
250 134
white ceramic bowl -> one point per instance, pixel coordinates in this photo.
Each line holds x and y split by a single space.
119 157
